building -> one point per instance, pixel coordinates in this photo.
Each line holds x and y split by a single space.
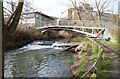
72 13
35 18
86 12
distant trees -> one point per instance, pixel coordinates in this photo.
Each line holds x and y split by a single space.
11 24
100 7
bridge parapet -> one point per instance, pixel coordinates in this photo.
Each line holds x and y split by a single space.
87 23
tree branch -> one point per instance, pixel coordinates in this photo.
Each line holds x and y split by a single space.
17 14
7 10
104 5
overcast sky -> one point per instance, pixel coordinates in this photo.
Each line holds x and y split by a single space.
51 7
56 7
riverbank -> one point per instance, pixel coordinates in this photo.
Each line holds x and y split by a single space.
86 56
84 50
84 59
87 53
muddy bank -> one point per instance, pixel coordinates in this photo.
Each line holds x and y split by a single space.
81 51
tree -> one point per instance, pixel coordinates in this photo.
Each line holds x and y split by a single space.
10 26
28 6
99 6
78 11
11 5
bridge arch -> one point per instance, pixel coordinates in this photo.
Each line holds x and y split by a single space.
89 31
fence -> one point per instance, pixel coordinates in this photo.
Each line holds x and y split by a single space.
96 66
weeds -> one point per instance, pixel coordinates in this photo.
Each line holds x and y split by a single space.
111 44
105 67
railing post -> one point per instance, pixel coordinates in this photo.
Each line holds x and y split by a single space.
58 21
92 30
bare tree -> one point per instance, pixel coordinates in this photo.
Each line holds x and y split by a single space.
102 7
11 5
9 27
28 6
89 10
78 11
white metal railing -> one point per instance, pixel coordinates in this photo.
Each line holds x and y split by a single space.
88 23
94 68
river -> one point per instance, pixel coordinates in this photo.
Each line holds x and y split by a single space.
39 59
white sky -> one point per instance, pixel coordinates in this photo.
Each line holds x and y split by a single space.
56 7
50 7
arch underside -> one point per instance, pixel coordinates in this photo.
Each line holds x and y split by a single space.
89 31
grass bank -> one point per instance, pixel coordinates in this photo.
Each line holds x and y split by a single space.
113 45
105 67
89 58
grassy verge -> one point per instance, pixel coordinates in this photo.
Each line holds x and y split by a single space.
89 58
105 67
79 39
111 44
96 51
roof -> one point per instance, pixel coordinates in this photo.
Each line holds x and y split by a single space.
39 14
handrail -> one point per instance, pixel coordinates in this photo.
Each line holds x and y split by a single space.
93 67
96 62
75 22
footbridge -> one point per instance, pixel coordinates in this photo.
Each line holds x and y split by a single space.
89 31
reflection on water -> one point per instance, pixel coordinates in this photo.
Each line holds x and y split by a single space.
38 60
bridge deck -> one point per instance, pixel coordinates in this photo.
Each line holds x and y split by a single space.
70 27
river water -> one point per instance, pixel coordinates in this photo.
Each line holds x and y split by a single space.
39 59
